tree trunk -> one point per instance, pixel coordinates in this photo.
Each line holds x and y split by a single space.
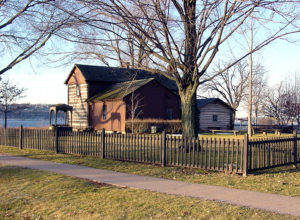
188 115
233 120
5 119
132 121
256 118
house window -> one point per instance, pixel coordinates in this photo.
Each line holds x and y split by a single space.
104 110
215 117
170 113
77 90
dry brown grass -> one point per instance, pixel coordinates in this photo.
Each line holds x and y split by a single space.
28 194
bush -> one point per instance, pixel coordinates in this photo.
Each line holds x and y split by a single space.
144 126
288 129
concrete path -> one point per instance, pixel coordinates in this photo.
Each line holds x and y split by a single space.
270 202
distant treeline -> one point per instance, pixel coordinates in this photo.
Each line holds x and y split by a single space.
30 111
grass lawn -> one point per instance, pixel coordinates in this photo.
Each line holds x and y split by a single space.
29 194
283 180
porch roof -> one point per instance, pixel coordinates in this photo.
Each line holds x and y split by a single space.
120 90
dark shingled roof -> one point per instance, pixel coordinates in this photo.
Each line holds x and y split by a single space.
117 75
203 102
120 90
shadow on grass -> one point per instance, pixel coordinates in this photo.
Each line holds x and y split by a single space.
276 170
132 167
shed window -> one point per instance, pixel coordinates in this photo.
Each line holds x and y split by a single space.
215 117
104 110
170 113
77 90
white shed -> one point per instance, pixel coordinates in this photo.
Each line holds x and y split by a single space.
214 114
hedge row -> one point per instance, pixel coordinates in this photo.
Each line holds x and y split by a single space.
149 125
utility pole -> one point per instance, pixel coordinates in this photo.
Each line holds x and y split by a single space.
250 84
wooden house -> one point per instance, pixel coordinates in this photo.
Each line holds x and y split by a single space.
214 114
101 96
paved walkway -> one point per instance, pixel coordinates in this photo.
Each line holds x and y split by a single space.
270 202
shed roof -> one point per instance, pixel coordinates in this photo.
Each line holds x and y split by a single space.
120 90
203 102
60 107
117 75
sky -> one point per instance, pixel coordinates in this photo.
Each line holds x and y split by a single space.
45 85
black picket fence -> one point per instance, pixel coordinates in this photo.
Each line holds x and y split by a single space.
272 152
220 154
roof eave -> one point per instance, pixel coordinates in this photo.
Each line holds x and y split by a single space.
70 74
102 100
220 101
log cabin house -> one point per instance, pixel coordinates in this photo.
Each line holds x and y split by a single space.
214 114
101 97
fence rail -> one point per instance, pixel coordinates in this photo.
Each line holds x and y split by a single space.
220 154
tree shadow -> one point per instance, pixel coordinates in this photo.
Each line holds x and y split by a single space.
277 170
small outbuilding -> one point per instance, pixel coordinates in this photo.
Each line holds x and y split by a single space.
214 114
66 109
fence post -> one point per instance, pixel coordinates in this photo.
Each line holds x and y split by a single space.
295 149
56 140
245 160
103 143
21 138
5 136
164 147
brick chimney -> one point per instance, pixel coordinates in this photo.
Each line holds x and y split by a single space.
126 65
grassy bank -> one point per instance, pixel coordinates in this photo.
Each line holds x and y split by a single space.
283 180
29 194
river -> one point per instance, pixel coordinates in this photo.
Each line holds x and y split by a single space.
36 123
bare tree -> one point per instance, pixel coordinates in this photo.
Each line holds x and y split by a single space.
112 51
135 104
126 51
296 95
292 98
283 101
181 38
9 94
259 91
134 108
232 84
26 26
275 106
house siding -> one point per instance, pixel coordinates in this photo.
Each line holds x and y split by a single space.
223 113
155 99
80 106
115 118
